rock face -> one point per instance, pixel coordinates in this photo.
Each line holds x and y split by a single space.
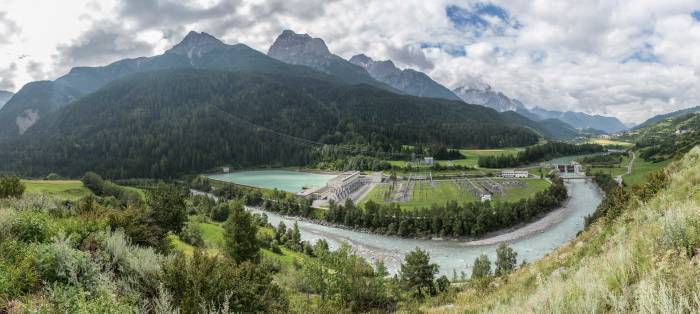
195 45
31 103
477 92
5 97
302 49
408 81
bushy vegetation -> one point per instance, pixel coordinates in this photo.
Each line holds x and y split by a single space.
105 188
11 187
539 153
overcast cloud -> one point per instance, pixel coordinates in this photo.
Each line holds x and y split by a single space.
631 59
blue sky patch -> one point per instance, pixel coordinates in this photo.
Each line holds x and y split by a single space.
644 54
479 17
696 15
453 50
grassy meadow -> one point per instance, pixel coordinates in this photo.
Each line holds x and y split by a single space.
641 168
64 189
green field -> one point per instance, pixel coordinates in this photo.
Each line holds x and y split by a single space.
533 186
613 170
424 195
67 189
471 157
641 168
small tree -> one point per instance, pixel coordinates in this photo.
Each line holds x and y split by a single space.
167 203
506 259
417 273
296 237
11 187
240 235
443 284
482 267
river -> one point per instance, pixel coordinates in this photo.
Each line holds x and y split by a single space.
459 255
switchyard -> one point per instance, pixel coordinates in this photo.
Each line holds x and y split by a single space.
423 189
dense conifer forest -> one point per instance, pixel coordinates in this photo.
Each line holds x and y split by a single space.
162 124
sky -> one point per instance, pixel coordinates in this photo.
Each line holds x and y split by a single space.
628 58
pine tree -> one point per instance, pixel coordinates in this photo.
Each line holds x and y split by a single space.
239 233
417 273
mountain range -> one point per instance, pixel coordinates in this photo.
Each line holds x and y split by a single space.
669 115
475 91
204 103
582 120
409 81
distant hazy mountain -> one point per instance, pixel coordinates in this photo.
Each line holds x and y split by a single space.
669 115
302 49
479 93
409 81
4 97
581 120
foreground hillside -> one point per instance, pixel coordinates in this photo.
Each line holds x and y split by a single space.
641 256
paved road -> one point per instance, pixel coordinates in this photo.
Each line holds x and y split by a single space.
629 169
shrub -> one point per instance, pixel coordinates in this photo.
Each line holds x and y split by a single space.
681 231
192 235
30 227
138 266
59 262
70 299
11 187
18 275
220 212
209 283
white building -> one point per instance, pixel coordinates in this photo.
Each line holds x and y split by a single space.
226 169
428 160
486 197
510 173
340 187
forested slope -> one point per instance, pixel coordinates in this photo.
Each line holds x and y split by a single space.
164 123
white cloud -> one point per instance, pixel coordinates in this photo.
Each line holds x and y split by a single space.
568 55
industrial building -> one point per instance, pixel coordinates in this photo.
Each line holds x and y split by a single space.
510 173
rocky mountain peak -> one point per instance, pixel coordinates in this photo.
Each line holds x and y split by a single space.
290 45
361 60
196 44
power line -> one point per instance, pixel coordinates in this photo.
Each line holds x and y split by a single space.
304 141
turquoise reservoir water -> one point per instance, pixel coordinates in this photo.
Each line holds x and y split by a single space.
290 181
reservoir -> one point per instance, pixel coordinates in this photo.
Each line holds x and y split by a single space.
459 255
285 180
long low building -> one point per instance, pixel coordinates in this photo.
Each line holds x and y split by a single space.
340 187
510 173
